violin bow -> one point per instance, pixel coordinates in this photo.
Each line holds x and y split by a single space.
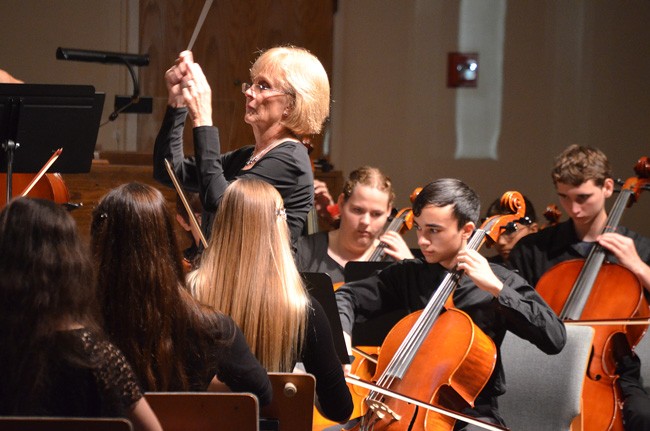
199 23
354 380
40 173
193 223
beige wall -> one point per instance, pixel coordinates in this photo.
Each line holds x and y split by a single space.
32 30
573 72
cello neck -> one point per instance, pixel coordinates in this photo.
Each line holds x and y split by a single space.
575 304
395 225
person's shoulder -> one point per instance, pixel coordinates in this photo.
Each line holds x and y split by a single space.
547 236
291 150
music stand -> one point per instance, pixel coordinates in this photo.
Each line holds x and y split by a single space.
319 286
37 119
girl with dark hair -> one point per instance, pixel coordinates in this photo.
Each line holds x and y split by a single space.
53 358
173 342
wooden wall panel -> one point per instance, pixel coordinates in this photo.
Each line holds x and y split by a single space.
233 32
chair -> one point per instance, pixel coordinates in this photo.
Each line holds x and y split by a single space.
544 392
63 424
293 401
205 411
643 352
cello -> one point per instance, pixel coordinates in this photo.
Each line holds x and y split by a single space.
42 185
465 355
593 289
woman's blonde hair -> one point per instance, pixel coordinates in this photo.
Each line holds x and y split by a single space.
248 272
302 75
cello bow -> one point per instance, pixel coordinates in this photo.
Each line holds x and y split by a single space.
40 173
354 380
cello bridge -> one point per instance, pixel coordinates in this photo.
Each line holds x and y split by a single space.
381 410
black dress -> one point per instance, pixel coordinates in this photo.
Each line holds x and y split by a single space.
97 381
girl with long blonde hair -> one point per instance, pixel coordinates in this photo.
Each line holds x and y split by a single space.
248 272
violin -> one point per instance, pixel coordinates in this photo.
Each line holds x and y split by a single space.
41 185
592 289
467 356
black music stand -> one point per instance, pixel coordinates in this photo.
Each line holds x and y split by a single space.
319 285
38 119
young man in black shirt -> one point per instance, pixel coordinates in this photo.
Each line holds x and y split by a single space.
497 300
583 181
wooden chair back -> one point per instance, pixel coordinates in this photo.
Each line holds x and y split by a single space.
63 424
205 411
293 401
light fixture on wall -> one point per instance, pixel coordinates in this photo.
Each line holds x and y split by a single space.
462 70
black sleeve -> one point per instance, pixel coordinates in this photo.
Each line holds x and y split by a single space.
527 315
320 359
169 145
523 261
370 297
240 370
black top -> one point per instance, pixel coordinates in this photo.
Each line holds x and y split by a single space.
286 167
536 253
224 352
410 283
108 388
311 256
320 359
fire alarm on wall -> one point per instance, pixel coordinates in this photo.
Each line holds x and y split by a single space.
462 69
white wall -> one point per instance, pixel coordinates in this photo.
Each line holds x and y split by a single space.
574 72
32 30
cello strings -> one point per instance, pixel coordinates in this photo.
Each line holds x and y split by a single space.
579 294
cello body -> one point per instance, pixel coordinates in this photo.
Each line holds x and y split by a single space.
50 186
449 370
601 395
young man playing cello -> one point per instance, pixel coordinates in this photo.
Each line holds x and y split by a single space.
583 181
497 300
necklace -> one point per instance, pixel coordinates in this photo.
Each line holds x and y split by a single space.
255 158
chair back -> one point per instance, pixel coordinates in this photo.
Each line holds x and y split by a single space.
643 352
205 411
544 392
293 401
63 424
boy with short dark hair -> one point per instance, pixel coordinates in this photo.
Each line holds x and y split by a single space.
497 300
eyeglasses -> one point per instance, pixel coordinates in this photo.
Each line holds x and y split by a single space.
259 89
512 227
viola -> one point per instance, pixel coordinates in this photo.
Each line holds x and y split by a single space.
464 357
592 289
